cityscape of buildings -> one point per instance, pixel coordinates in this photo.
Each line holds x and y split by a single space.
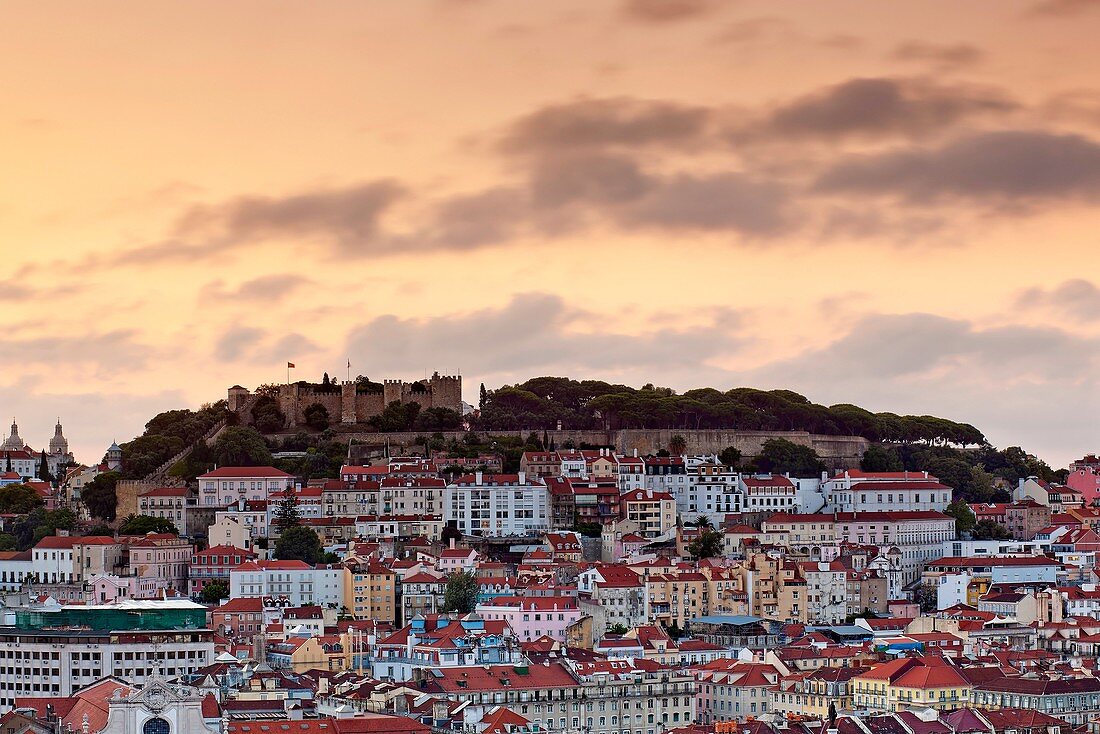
589 591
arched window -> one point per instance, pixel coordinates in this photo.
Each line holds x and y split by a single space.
155 726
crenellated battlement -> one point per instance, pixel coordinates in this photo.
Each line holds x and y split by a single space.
346 405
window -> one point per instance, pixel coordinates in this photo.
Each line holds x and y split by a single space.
155 726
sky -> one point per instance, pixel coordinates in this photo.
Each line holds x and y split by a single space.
887 204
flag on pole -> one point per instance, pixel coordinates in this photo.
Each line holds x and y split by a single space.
289 365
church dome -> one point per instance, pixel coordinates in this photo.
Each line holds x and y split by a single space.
13 442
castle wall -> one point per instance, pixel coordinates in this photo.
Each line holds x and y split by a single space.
368 405
347 406
836 451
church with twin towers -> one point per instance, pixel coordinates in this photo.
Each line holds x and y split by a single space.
18 458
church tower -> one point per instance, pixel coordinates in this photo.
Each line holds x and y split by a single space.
13 442
59 445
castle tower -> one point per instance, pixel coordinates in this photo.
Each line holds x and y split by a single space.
114 456
13 442
59 445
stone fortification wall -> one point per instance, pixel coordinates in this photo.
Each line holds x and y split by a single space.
836 451
346 405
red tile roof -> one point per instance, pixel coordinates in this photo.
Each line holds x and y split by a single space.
244 472
489 677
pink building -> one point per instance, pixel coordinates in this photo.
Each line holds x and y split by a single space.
457 559
227 485
108 588
214 564
1085 478
160 561
534 617
238 618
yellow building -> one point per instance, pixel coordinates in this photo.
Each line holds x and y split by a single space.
911 682
370 590
306 653
675 599
810 693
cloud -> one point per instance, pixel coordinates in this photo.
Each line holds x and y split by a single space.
604 122
668 11
236 342
949 55
1013 382
1007 166
921 345
1078 105
751 29
91 420
348 217
13 290
535 333
727 201
615 189
871 108
1076 298
268 288
594 179
1062 8
111 351
480 219
246 343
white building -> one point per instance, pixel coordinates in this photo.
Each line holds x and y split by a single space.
15 567
299 582
229 529
708 488
228 484
52 559
859 491
769 493
497 504
159 707
52 651
250 514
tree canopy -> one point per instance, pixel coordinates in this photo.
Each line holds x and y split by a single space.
780 456
593 404
142 524
316 416
241 446
18 499
99 496
990 530
267 417
707 545
214 591
460 594
166 434
299 543
964 516
286 512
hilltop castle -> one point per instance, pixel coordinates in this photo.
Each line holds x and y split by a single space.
351 402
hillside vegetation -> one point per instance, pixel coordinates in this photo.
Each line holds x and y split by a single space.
590 404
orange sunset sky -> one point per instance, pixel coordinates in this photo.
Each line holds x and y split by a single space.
892 204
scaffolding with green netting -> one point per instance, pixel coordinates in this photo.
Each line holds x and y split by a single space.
111 619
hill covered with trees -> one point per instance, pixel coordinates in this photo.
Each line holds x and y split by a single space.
541 402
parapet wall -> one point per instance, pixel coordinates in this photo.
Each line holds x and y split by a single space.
346 405
836 451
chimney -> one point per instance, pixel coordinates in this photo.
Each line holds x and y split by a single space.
478 477
523 477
